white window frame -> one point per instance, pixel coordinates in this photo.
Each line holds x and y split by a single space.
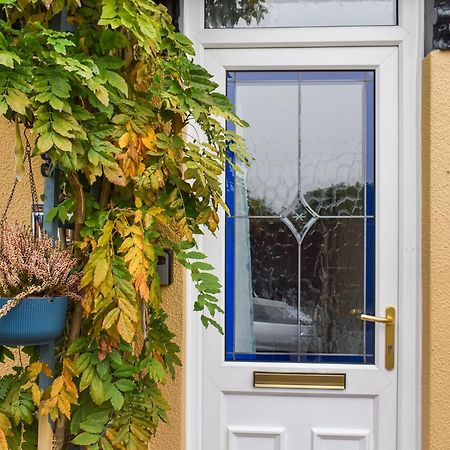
408 37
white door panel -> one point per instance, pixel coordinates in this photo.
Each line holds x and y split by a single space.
237 416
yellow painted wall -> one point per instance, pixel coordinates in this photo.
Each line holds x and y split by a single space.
169 437
436 251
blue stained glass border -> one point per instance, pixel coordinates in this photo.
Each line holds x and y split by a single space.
369 357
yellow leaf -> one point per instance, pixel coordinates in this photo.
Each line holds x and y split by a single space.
137 264
107 286
101 271
142 286
124 140
57 385
126 244
137 230
86 278
70 387
48 405
111 318
69 366
71 398
122 227
138 216
155 210
138 242
3 442
127 308
150 140
36 394
155 293
126 328
106 234
133 253
115 175
47 371
64 406
141 169
5 423
34 370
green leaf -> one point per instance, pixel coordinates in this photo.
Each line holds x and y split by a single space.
117 399
116 358
3 107
109 10
17 101
80 344
6 59
62 126
93 157
87 377
62 142
206 321
92 425
125 385
83 361
125 371
103 369
86 439
51 214
196 255
201 266
102 95
56 103
45 142
115 80
97 390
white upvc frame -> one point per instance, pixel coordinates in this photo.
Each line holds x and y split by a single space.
408 37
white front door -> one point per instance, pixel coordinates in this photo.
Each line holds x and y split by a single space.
322 230
311 244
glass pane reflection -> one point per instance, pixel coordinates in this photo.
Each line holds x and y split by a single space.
332 284
300 252
298 13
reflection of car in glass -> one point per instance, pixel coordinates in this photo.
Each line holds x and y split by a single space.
276 326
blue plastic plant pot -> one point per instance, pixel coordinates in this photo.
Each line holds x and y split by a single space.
34 321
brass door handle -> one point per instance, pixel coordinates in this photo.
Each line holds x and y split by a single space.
386 320
389 321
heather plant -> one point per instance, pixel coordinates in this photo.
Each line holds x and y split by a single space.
137 134
34 266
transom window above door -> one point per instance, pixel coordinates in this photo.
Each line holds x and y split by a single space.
300 238
298 13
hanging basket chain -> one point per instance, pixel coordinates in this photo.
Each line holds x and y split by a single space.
34 196
31 289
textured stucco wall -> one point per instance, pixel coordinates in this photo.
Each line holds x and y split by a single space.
436 251
21 208
171 436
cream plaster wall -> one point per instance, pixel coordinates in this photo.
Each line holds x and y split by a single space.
170 436
436 251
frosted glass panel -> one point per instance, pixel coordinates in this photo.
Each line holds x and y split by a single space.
300 236
298 13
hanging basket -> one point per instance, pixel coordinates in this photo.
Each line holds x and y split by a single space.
34 321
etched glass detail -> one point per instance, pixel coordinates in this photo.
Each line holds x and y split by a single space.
298 13
300 252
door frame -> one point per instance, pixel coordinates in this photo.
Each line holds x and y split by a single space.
408 37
